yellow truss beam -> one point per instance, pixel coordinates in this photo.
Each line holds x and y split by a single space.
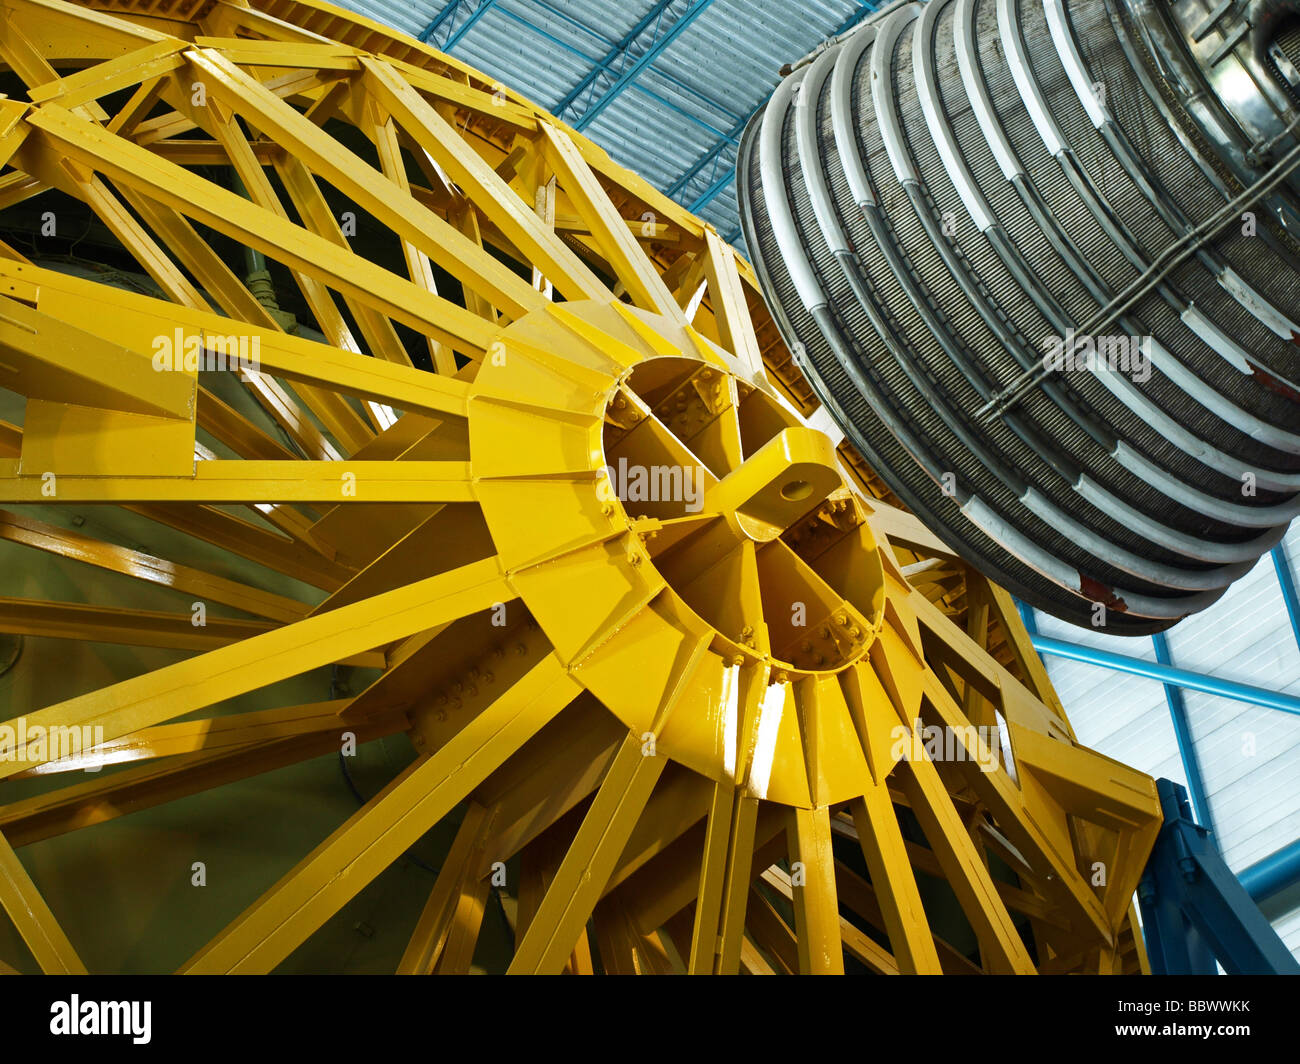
33 919
378 833
251 482
581 878
220 674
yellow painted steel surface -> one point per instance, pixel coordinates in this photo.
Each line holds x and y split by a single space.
659 644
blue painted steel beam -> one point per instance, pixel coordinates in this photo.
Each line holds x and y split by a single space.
1027 617
711 156
719 147
1274 874
572 50
617 52
483 8
443 16
1186 744
633 70
1287 583
596 35
576 23
1192 681
1195 911
711 193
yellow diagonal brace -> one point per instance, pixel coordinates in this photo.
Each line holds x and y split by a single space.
1062 881
608 227
33 919
419 269
713 871
315 212
238 302
1022 650
730 308
493 196
434 927
875 957
590 860
252 482
235 217
362 183
82 805
466 922
467 98
66 543
895 884
377 834
112 75
142 101
27 61
128 627
1001 948
215 735
210 678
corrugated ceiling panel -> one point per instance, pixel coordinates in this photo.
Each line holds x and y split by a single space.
409 17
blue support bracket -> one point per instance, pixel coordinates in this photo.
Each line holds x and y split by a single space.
1195 911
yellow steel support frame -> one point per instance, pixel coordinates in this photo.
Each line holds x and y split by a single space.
646 630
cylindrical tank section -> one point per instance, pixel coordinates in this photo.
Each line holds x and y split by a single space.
1038 259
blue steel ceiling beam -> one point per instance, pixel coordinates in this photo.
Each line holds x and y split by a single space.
719 147
617 52
1186 744
630 71
1192 681
576 23
444 16
711 193
447 17
1287 583
483 8
572 50
592 61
